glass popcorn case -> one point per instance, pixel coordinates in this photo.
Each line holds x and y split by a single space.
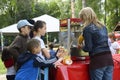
70 29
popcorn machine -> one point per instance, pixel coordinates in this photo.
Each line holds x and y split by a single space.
70 29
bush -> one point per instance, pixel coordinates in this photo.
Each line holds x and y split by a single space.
2 67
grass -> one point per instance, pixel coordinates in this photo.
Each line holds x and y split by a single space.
2 67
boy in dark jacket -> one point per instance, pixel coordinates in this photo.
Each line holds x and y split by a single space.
30 63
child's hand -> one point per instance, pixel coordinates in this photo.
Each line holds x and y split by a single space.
57 63
60 52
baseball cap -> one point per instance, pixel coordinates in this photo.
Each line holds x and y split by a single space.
23 23
31 21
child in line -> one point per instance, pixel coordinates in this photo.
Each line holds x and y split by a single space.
30 62
8 61
38 31
18 46
114 45
52 52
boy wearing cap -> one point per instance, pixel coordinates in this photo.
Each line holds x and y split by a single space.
18 46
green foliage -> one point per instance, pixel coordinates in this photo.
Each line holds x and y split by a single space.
113 13
78 7
47 8
54 9
41 8
8 39
65 9
97 6
13 10
4 20
52 36
3 5
4 14
24 9
2 67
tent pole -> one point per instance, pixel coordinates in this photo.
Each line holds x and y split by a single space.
1 35
68 43
47 40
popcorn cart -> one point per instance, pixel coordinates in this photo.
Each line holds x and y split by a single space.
80 65
70 29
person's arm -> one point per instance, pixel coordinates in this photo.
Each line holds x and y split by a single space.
80 39
14 48
39 62
88 41
46 53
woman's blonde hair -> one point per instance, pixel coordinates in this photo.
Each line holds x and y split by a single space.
88 16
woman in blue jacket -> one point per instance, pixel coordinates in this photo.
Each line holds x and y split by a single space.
96 43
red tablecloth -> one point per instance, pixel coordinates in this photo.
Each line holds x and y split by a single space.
116 73
79 70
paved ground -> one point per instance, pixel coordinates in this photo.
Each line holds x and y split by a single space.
3 77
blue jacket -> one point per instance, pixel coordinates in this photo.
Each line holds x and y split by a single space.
96 39
30 66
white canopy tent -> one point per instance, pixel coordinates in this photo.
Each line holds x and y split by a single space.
52 24
10 29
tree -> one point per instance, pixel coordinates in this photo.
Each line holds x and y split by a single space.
4 14
97 7
13 10
41 8
24 9
78 7
113 13
54 9
65 9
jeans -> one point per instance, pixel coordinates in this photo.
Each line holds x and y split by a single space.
104 73
10 77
